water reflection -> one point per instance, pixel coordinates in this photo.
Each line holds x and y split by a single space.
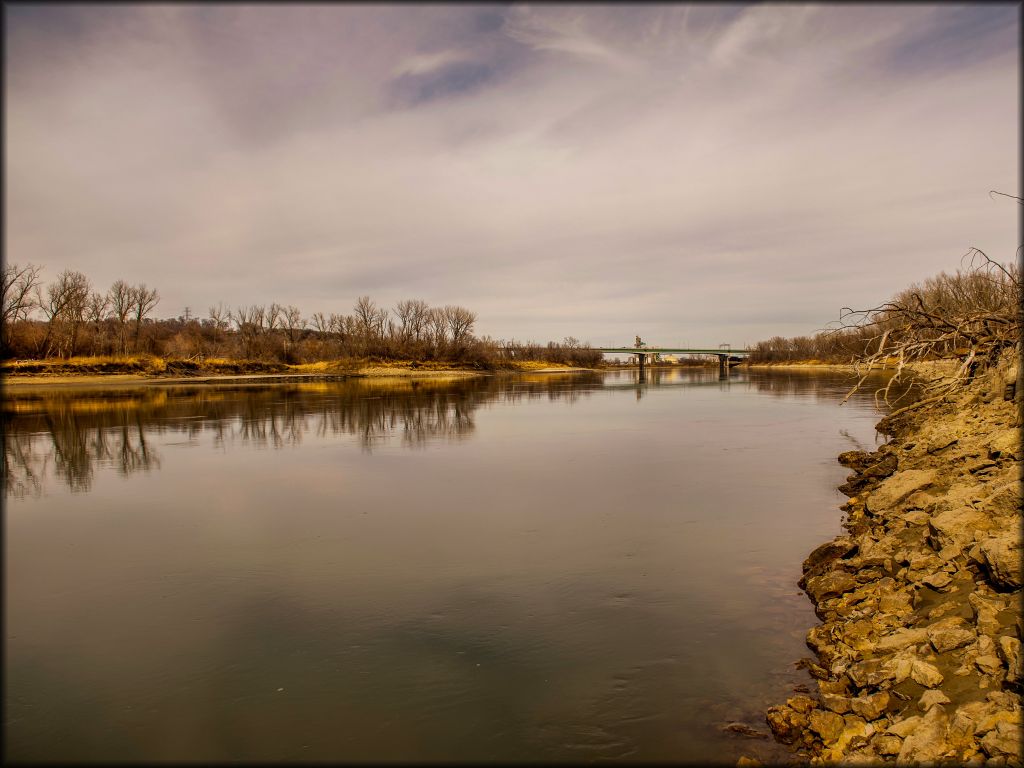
67 434
288 575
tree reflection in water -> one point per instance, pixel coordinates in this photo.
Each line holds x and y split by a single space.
67 434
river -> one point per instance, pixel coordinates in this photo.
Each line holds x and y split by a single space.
557 567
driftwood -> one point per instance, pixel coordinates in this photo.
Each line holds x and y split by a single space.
972 317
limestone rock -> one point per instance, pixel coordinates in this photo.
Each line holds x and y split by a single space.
1009 650
927 742
960 732
992 714
834 583
902 638
826 724
897 602
838 687
898 487
916 517
955 527
857 460
1002 559
1003 741
870 672
786 723
801 704
882 468
930 698
985 610
938 581
886 744
988 663
903 728
950 633
835 703
1005 444
828 552
1005 500
870 707
925 674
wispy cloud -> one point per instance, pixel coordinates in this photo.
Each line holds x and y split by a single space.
423 63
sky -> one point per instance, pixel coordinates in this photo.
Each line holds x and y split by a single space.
694 175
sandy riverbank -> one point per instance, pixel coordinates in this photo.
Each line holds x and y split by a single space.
21 382
919 652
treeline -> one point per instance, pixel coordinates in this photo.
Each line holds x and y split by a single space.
70 317
974 312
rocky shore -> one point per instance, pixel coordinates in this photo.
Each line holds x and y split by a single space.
919 650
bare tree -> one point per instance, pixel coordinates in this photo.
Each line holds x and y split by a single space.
273 316
18 295
460 323
144 302
366 315
292 322
412 318
64 305
249 324
122 303
96 312
320 323
437 327
221 317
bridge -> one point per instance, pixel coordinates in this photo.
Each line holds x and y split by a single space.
726 355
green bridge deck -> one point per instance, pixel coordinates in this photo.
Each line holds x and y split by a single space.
672 351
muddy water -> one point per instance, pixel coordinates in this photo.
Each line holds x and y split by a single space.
548 568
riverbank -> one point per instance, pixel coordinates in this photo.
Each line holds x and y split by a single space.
808 365
919 652
142 370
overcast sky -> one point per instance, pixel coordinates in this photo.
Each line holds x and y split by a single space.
693 174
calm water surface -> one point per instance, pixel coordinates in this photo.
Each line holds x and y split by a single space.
550 568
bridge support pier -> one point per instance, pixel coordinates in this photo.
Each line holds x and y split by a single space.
642 358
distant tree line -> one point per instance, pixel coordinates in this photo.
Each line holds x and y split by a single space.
70 317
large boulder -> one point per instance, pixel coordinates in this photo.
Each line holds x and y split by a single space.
956 527
902 638
986 610
826 724
786 723
1002 560
898 487
949 633
870 707
883 468
827 553
1005 444
927 743
925 674
857 460
1009 651
1005 500
831 584
1003 741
